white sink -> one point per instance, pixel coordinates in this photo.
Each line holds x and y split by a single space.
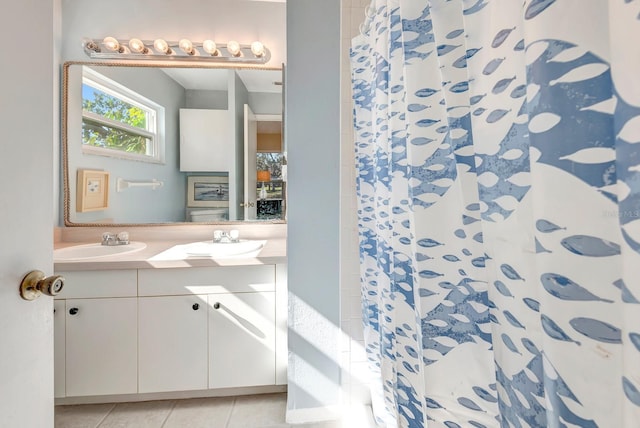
244 247
96 250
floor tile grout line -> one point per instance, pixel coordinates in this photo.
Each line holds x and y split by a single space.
233 405
173 406
113 406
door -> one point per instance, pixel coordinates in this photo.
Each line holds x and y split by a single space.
173 343
250 149
26 217
101 346
242 339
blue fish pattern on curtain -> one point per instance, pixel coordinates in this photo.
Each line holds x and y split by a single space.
498 185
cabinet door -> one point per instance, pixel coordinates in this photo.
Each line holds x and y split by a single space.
101 346
173 343
241 339
205 143
58 348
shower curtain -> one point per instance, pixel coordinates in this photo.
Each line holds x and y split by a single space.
498 184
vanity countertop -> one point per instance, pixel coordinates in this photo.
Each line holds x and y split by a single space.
274 252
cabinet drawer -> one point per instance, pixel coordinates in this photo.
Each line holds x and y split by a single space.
206 280
99 283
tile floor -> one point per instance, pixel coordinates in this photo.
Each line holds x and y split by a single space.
254 411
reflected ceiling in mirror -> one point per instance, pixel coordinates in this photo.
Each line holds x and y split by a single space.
129 131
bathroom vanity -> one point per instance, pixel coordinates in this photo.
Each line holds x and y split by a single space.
139 326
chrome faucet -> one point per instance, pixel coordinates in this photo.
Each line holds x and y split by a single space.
110 238
220 236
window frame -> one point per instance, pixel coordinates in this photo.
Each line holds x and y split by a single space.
156 146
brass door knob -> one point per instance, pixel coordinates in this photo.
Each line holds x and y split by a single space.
36 283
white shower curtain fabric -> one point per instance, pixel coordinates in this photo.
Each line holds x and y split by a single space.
498 157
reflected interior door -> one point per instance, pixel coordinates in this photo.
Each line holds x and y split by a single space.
250 171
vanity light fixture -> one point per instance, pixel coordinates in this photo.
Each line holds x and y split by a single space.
182 50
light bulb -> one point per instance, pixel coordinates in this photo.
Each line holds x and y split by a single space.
257 48
136 45
187 46
161 46
90 45
210 47
111 44
234 48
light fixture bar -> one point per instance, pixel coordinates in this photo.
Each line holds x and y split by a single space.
184 50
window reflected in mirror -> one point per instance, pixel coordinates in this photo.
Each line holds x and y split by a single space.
119 122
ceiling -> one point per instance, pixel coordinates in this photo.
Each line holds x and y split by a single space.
255 80
216 79
256 16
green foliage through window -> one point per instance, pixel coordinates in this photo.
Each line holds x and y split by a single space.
98 132
119 122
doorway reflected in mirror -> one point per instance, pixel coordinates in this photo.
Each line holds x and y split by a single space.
270 191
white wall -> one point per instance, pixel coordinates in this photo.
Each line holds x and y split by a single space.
356 377
312 132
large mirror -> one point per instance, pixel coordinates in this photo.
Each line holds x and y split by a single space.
170 144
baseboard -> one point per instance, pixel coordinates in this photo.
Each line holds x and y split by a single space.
352 416
314 414
207 393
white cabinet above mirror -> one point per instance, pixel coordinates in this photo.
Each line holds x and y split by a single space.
109 127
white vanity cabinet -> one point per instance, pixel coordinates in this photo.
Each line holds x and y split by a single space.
163 330
241 319
172 334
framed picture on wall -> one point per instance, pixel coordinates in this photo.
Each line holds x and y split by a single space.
92 190
207 191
